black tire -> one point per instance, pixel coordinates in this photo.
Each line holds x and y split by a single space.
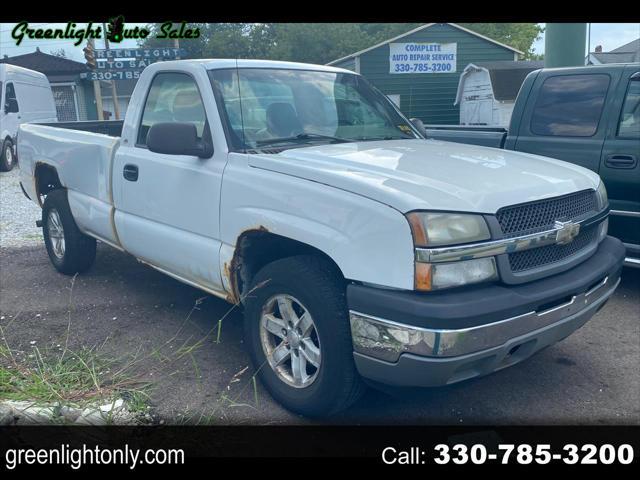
79 250
7 158
315 284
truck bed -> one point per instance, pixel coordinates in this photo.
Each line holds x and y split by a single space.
82 160
113 128
474 135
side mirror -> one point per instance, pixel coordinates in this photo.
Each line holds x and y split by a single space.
419 126
11 105
174 138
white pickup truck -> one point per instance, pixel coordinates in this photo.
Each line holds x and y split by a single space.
359 249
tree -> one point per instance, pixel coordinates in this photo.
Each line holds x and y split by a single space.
517 35
59 53
318 42
220 40
379 32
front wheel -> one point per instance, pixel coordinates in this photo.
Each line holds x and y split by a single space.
70 251
298 334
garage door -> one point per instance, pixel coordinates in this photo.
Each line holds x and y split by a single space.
65 98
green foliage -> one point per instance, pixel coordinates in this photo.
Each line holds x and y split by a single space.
60 376
517 35
59 53
319 42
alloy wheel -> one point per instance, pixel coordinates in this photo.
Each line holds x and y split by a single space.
290 340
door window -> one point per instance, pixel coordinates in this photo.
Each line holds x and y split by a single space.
11 94
629 125
173 97
570 105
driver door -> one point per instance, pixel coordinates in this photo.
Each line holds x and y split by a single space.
167 205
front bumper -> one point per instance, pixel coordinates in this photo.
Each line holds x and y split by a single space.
407 338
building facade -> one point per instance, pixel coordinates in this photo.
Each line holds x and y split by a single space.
419 70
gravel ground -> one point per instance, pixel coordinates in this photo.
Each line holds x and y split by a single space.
18 215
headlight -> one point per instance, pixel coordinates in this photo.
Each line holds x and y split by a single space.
434 276
601 194
432 229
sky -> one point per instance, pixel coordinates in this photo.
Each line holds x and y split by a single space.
609 35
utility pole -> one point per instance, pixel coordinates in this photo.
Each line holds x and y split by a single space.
176 44
564 44
114 94
89 55
586 61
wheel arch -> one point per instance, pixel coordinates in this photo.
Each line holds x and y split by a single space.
258 247
46 180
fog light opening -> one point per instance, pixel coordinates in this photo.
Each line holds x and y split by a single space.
513 350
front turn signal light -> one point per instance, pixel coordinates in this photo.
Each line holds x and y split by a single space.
423 276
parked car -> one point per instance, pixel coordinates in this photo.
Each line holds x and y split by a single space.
589 116
25 96
358 249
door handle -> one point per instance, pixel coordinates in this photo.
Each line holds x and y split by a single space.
621 161
130 172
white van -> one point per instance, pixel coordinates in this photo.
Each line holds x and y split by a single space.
25 96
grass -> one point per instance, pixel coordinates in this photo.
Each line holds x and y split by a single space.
33 236
88 377
64 377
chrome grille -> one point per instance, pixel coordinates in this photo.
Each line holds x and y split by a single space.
541 215
528 218
539 257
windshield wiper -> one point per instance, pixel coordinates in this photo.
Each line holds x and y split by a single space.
302 136
386 137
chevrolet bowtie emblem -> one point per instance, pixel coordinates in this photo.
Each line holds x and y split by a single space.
566 231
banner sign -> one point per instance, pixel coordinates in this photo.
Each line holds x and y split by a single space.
140 53
128 63
423 57
123 64
112 75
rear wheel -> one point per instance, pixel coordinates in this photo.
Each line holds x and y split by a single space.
7 158
298 334
70 251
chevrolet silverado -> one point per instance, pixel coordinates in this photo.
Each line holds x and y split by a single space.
360 251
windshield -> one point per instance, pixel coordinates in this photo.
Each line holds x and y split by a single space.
287 108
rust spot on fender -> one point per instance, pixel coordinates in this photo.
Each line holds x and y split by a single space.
231 269
229 273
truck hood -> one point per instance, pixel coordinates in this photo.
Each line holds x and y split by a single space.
430 174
